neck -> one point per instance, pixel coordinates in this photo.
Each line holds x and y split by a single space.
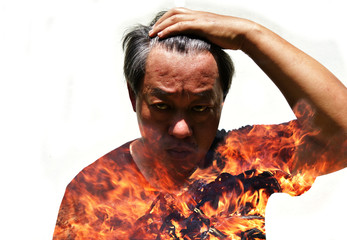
152 168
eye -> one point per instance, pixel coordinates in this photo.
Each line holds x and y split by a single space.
161 106
199 108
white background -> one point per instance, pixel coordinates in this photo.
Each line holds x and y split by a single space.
63 101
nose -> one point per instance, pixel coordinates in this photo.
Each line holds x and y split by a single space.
180 129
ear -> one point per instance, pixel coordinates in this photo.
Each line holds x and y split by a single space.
132 97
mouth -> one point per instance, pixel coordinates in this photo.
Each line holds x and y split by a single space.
180 152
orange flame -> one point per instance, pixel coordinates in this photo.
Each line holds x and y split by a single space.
111 199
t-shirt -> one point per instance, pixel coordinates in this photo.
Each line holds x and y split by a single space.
225 199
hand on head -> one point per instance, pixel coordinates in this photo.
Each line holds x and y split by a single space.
225 31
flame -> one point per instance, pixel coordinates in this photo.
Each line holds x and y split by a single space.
111 199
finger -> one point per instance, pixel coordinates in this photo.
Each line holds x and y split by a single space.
175 29
170 13
172 30
172 24
168 19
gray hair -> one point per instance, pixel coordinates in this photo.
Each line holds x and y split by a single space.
137 44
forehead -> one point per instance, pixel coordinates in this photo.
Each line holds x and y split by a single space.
176 71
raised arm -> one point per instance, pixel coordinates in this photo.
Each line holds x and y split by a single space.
297 75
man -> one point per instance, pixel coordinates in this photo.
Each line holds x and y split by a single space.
184 179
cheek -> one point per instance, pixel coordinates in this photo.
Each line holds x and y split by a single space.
143 117
150 127
206 131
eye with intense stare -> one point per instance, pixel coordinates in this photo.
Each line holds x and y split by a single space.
199 108
161 106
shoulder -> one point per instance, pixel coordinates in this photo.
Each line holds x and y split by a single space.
112 161
259 134
242 142
104 185
252 143
267 149
285 129
102 175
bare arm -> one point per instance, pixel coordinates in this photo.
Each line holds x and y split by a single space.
297 75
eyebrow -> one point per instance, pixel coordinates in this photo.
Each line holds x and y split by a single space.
162 93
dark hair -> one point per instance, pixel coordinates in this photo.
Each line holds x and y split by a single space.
137 45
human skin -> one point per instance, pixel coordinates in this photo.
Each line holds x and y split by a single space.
178 110
297 75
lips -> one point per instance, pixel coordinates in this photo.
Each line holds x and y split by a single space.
180 151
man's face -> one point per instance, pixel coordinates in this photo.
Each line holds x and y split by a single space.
179 107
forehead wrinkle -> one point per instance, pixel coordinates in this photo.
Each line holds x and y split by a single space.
190 75
207 94
170 70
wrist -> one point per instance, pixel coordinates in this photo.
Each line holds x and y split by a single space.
252 34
